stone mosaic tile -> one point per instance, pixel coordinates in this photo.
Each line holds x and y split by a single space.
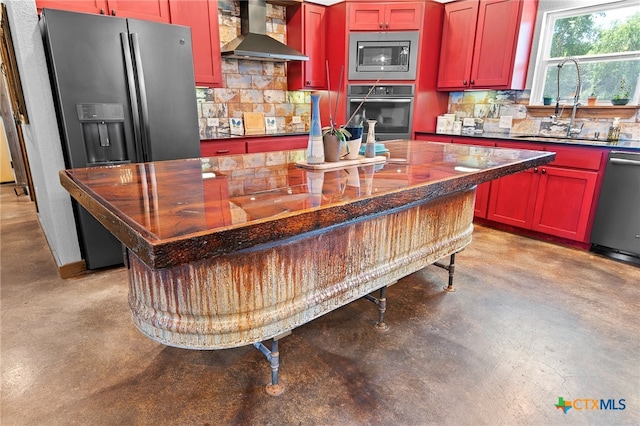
204 94
226 95
514 110
229 66
249 67
237 109
269 110
284 110
263 82
238 81
251 96
279 83
525 127
462 110
295 97
492 125
274 96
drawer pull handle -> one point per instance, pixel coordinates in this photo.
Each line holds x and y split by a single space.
222 151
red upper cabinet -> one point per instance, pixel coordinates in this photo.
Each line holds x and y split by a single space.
486 44
385 16
149 10
306 32
84 6
202 17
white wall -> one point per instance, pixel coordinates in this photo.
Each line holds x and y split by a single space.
41 135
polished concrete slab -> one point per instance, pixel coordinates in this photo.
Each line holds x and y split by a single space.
530 322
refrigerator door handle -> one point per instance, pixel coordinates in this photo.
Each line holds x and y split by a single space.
131 85
142 91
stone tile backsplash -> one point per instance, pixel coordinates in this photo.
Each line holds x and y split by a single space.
255 86
487 107
251 86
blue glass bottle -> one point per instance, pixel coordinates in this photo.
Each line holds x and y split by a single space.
315 148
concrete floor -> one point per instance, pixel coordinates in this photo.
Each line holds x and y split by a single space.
530 322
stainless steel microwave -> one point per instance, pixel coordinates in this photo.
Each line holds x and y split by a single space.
383 55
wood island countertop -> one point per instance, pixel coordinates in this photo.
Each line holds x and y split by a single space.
174 212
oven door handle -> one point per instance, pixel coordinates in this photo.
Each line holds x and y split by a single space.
391 100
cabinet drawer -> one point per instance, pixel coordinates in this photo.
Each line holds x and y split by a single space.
578 158
473 141
520 145
277 143
213 148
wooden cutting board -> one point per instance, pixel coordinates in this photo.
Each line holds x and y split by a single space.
254 123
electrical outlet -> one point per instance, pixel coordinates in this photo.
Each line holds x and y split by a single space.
213 122
505 122
296 119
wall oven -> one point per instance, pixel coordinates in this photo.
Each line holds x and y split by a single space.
384 56
390 105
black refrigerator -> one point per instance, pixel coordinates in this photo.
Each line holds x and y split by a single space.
124 91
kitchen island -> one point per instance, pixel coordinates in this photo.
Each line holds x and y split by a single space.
235 250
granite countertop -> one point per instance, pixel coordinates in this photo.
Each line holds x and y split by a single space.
223 136
625 144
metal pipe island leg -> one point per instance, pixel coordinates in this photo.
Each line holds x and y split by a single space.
273 356
451 267
381 302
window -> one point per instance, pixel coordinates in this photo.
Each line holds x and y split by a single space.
604 39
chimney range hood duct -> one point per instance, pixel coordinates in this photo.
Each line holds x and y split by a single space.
254 43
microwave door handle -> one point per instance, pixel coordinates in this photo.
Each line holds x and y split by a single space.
392 100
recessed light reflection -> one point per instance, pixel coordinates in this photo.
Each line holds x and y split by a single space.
466 169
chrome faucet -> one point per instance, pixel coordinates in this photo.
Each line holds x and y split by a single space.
576 103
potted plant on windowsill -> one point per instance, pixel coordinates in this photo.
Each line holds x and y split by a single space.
621 96
592 99
546 99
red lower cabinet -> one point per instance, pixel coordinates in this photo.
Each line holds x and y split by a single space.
552 200
563 202
512 199
556 199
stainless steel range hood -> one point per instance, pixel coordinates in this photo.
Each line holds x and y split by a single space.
254 43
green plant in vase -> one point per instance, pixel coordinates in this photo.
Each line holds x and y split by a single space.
621 97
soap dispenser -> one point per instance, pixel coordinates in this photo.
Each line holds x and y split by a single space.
614 130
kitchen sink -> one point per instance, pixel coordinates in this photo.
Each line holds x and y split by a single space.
547 138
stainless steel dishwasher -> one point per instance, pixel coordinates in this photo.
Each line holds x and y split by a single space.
616 230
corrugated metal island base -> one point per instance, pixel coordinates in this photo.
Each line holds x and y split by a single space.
231 251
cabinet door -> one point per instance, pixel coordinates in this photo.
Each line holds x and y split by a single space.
495 41
402 16
564 202
456 53
306 32
148 10
512 199
202 17
366 17
85 6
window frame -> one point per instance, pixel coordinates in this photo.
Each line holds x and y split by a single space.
543 60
